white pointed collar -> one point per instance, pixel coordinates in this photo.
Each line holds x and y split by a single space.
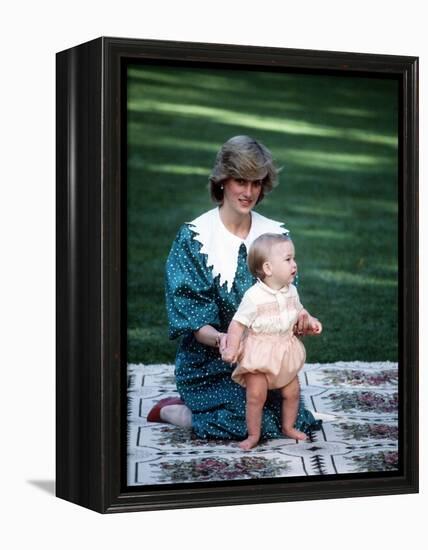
222 247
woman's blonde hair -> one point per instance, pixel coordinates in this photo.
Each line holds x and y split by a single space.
242 158
260 250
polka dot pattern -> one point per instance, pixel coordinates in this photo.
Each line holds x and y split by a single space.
195 299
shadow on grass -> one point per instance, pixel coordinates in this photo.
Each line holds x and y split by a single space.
335 139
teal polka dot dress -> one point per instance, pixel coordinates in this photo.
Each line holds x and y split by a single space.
194 298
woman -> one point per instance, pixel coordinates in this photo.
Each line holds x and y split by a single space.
206 277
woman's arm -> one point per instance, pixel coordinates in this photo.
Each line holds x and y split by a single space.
209 336
190 297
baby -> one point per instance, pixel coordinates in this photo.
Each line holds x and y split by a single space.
261 338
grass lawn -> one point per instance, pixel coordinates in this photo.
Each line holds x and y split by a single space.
336 141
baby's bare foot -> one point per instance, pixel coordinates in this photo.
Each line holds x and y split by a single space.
294 434
249 443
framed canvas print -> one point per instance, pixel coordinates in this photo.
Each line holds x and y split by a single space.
237 285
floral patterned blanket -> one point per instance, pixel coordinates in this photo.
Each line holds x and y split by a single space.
357 401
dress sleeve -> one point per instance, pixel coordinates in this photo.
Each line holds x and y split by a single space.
246 312
189 287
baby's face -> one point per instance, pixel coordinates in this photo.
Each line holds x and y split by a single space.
282 263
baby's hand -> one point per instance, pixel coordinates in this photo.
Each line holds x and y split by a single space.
229 355
307 325
315 326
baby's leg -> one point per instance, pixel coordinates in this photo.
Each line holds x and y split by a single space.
256 398
290 405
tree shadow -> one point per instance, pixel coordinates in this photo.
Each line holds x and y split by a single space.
335 139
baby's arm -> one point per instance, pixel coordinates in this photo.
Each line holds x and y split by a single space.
234 335
242 319
306 324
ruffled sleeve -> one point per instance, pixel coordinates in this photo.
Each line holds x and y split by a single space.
190 293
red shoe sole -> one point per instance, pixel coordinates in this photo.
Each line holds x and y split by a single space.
154 413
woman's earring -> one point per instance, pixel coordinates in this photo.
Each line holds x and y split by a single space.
221 187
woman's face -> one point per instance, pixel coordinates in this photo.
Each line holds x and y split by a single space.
241 195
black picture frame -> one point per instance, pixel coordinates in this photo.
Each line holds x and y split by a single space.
90 208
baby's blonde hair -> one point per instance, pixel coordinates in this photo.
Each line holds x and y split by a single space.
260 250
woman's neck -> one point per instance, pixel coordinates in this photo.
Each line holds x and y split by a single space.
238 224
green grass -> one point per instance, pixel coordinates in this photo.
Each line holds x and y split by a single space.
336 141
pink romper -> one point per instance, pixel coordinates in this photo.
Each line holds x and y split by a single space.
270 345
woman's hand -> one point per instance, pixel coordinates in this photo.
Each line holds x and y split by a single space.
222 342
